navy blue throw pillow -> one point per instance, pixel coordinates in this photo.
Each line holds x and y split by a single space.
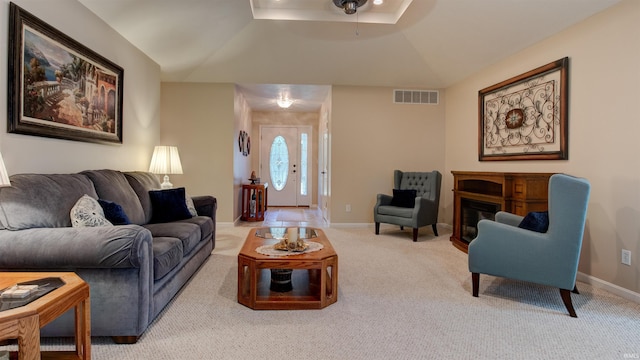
168 205
536 221
404 198
114 212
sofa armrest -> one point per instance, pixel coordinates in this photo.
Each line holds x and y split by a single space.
128 246
206 206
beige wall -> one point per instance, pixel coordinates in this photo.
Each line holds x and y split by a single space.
199 119
141 115
370 138
604 90
241 163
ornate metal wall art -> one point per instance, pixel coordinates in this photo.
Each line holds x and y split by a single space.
525 117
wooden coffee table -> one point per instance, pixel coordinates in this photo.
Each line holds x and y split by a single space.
24 322
314 275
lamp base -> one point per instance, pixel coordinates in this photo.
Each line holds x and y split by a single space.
166 184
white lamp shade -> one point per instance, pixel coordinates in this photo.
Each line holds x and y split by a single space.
4 176
165 160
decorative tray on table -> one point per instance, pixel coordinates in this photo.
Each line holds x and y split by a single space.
295 246
25 292
291 241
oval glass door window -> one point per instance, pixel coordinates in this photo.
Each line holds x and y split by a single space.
279 163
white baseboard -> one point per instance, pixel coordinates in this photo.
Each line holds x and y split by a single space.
612 288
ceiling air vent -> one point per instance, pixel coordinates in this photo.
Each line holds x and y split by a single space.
415 97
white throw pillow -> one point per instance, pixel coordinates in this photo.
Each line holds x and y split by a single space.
190 205
87 212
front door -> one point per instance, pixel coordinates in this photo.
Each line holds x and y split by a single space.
282 149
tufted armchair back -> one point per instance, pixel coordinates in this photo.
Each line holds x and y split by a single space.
426 184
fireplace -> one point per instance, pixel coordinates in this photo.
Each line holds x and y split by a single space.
472 212
480 195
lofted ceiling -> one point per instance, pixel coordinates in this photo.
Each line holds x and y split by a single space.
424 44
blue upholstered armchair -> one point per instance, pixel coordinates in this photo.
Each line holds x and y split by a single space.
414 204
551 258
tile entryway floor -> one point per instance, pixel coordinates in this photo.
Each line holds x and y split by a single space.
288 216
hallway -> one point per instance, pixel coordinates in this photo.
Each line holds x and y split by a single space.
288 216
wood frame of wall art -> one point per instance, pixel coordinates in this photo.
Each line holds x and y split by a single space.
526 117
59 88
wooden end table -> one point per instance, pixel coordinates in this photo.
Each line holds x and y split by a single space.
24 323
314 275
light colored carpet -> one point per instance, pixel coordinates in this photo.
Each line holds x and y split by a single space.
397 300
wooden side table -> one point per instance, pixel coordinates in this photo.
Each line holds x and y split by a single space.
24 323
254 202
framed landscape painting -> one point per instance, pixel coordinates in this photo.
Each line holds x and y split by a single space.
59 88
525 117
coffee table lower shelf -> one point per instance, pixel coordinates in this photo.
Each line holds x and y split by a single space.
313 284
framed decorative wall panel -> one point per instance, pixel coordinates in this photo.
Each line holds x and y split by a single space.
525 117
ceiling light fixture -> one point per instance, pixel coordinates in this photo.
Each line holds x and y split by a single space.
349 6
283 101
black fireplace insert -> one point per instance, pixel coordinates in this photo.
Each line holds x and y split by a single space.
472 212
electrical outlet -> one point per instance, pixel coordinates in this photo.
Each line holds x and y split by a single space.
626 257
348 208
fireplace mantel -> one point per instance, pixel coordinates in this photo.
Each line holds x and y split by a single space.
517 193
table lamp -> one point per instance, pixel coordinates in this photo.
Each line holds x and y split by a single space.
165 160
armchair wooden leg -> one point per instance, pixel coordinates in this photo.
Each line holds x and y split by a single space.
566 299
415 234
377 228
475 283
435 229
575 289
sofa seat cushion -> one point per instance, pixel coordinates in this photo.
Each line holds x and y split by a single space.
167 254
112 185
42 200
395 211
188 233
205 223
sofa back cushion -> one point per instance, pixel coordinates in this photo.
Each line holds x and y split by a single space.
143 182
42 200
112 185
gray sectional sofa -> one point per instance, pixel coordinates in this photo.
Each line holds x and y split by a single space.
133 270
